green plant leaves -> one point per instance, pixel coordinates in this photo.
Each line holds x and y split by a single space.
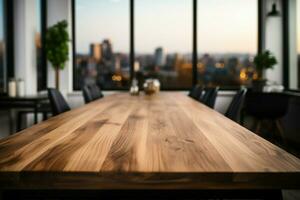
57 44
265 60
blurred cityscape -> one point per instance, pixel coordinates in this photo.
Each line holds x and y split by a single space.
111 69
102 66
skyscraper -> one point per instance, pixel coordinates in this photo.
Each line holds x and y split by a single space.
96 51
159 57
107 50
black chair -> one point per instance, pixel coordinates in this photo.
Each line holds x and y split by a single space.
209 97
91 93
266 106
235 106
96 92
57 101
87 96
196 92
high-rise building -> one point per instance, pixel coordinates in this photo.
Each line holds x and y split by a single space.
159 57
107 51
38 40
96 51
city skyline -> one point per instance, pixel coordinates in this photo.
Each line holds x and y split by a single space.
221 54
110 69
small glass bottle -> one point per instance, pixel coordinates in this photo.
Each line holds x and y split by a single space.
20 88
12 88
134 89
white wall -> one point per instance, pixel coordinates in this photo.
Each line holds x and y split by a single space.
25 51
293 72
223 100
274 42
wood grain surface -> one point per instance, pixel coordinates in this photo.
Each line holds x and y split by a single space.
164 141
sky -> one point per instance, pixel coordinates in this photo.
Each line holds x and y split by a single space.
100 19
1 20
227 26
168 23
39 16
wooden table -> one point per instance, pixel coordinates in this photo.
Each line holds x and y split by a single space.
165 141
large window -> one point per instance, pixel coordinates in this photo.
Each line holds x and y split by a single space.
102 43
163 38
160 37
3 75
227 41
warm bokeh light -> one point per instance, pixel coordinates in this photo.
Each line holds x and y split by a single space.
255 76
243 75
116 78
220 65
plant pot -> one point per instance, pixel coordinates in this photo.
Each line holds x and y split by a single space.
258 85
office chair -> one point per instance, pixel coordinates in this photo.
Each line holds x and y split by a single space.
196 92
209 97
91 93
236 104
57 101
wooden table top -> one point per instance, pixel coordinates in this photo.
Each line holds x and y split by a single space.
165 141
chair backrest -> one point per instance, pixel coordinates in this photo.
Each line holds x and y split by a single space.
91 93
87 96
95 92
263 105
210 96
57 101
196 92
236 104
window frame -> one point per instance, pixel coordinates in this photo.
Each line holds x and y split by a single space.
286 44
286 49
260 42
43 69
8 13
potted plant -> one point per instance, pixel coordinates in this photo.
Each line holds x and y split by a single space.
262 61
57 47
